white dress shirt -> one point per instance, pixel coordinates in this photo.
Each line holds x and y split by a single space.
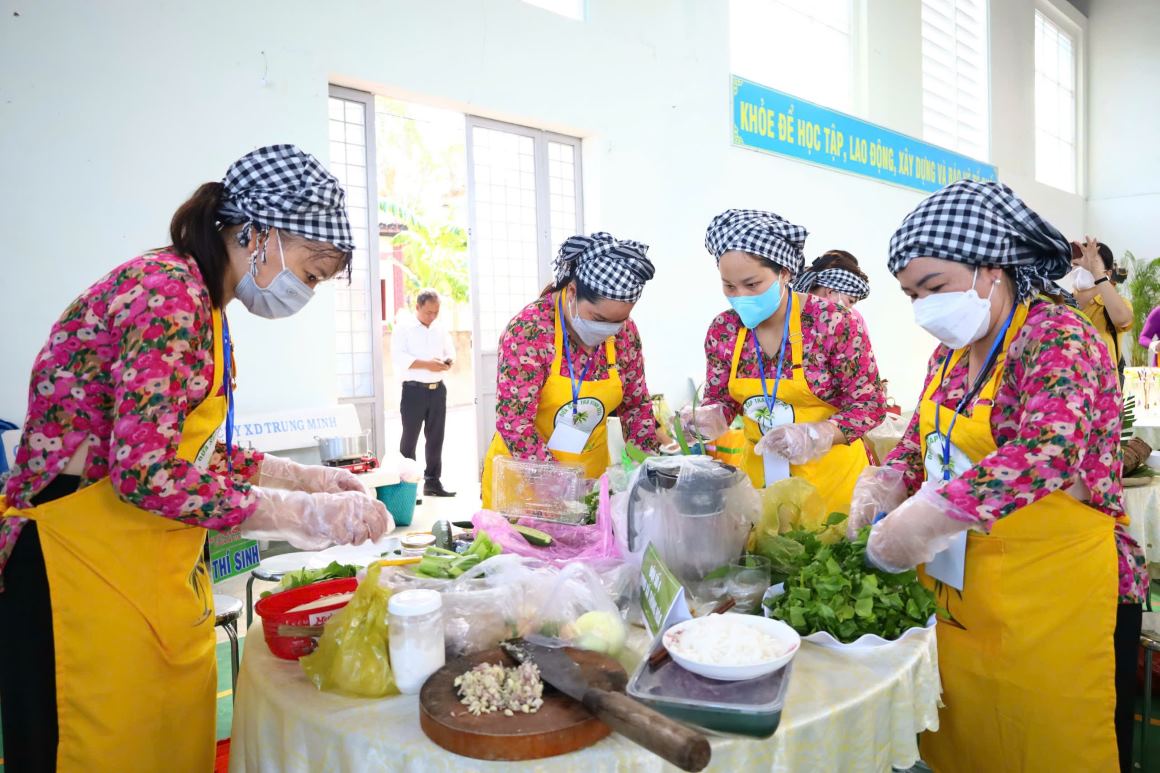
414 341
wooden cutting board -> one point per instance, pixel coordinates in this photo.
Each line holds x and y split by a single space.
561 725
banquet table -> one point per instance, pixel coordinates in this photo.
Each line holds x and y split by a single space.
848 710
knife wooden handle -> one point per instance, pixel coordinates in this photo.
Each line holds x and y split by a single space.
667 738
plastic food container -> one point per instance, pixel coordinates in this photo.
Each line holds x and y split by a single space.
274 611
549 491
750 708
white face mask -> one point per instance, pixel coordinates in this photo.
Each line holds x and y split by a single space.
1079 278
591 332
286 295
955 318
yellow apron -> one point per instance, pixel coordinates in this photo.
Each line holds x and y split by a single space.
834 474
1026 655
133 620
597 400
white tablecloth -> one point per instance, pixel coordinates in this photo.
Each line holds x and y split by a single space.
1143 506
846 711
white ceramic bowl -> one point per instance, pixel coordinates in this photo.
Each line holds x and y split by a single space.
776 628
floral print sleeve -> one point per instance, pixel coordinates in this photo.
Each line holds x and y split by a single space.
526 351
246 463
123 366
906 457
637 422
719 342
844 370
525 357
837 360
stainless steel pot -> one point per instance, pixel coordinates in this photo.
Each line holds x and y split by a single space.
334 449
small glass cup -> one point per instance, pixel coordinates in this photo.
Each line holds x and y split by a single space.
748 581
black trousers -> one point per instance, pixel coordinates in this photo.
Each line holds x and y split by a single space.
1127 647
424 408
27 651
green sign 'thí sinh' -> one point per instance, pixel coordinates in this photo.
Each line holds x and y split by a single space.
230 554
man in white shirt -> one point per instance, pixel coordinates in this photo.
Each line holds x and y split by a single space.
423 352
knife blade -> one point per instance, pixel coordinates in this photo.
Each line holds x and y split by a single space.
667 738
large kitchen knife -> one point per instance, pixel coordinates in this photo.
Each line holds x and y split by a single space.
677 743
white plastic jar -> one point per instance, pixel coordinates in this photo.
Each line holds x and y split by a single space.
415 618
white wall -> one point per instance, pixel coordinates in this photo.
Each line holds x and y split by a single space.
119 112
1124 159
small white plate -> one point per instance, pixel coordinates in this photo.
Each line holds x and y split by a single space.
725 673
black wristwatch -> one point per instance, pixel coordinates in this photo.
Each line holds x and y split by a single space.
1101 280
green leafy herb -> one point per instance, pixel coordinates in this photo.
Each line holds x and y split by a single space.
300 577
833 589
591 501
447 564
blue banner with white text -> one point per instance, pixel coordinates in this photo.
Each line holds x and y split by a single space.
775 122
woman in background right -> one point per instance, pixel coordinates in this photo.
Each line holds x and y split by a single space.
835 276
1097 296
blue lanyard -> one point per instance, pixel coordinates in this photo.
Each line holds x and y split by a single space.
946 440
771 398
228 384
577 384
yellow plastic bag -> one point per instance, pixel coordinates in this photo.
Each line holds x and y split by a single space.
793 504
352 655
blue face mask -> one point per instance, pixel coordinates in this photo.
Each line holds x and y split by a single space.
755 309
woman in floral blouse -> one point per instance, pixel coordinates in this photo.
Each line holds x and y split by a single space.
797 368
106 619
1012 465
571 358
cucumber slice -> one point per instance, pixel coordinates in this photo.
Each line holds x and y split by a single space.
534 536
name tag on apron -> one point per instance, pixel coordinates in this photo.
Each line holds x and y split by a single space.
950 565
776 465
568 438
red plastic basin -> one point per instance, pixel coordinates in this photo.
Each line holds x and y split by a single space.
274 611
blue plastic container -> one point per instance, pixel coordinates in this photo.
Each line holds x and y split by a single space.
399 499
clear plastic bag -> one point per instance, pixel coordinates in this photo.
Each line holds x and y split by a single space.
352 655
578 609
569 542
695 510
883 438
483 606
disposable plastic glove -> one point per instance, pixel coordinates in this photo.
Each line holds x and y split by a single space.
276 472
708 421
915 531
799 443
315 521
878 490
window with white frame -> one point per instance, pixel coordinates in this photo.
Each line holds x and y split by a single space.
955 82
802 47
572 9
1055 104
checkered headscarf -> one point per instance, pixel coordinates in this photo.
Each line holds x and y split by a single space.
984 224
838 279
759 233
283 187
614 268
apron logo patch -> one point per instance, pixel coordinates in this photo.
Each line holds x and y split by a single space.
757 410
589 414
